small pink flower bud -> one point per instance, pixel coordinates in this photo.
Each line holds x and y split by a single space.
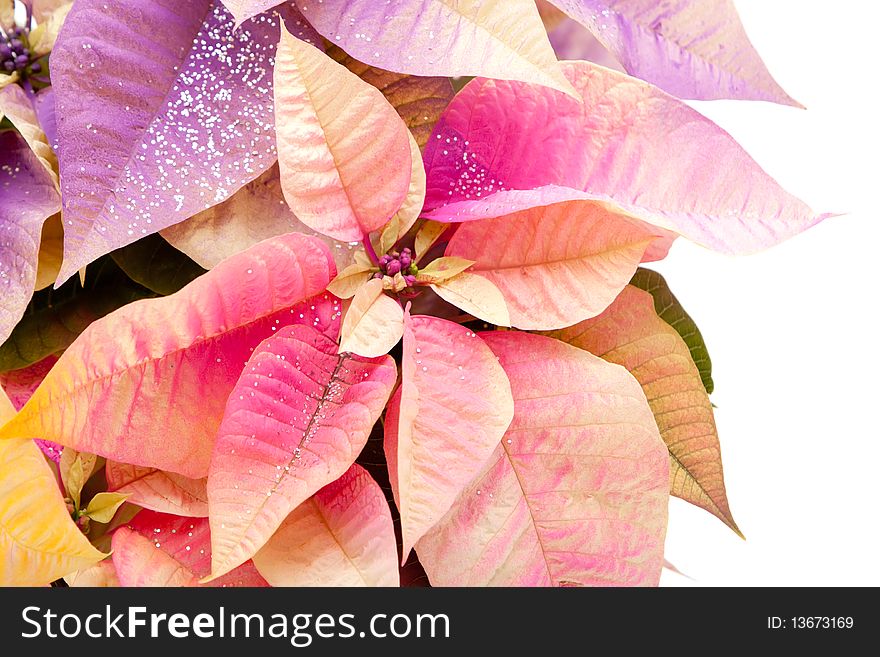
405 259
393 267
83 523
410 280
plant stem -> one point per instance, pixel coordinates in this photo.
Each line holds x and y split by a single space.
371 252
29 89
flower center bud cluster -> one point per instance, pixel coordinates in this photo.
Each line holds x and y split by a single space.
401 263
15 55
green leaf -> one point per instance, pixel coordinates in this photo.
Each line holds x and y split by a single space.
55 318
460 82
155 264
74 481
75 469
103 506
671 311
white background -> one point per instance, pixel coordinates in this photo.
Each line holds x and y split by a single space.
793 332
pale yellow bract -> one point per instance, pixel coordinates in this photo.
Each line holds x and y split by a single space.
38 539
373 323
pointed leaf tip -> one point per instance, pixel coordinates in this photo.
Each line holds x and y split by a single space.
631 334
325 115
453 406
437 37
341 536
195 343
28 198
112 126
476 295
690 178
696 50
103 506
295 421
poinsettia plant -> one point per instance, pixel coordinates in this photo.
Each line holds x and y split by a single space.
282 307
